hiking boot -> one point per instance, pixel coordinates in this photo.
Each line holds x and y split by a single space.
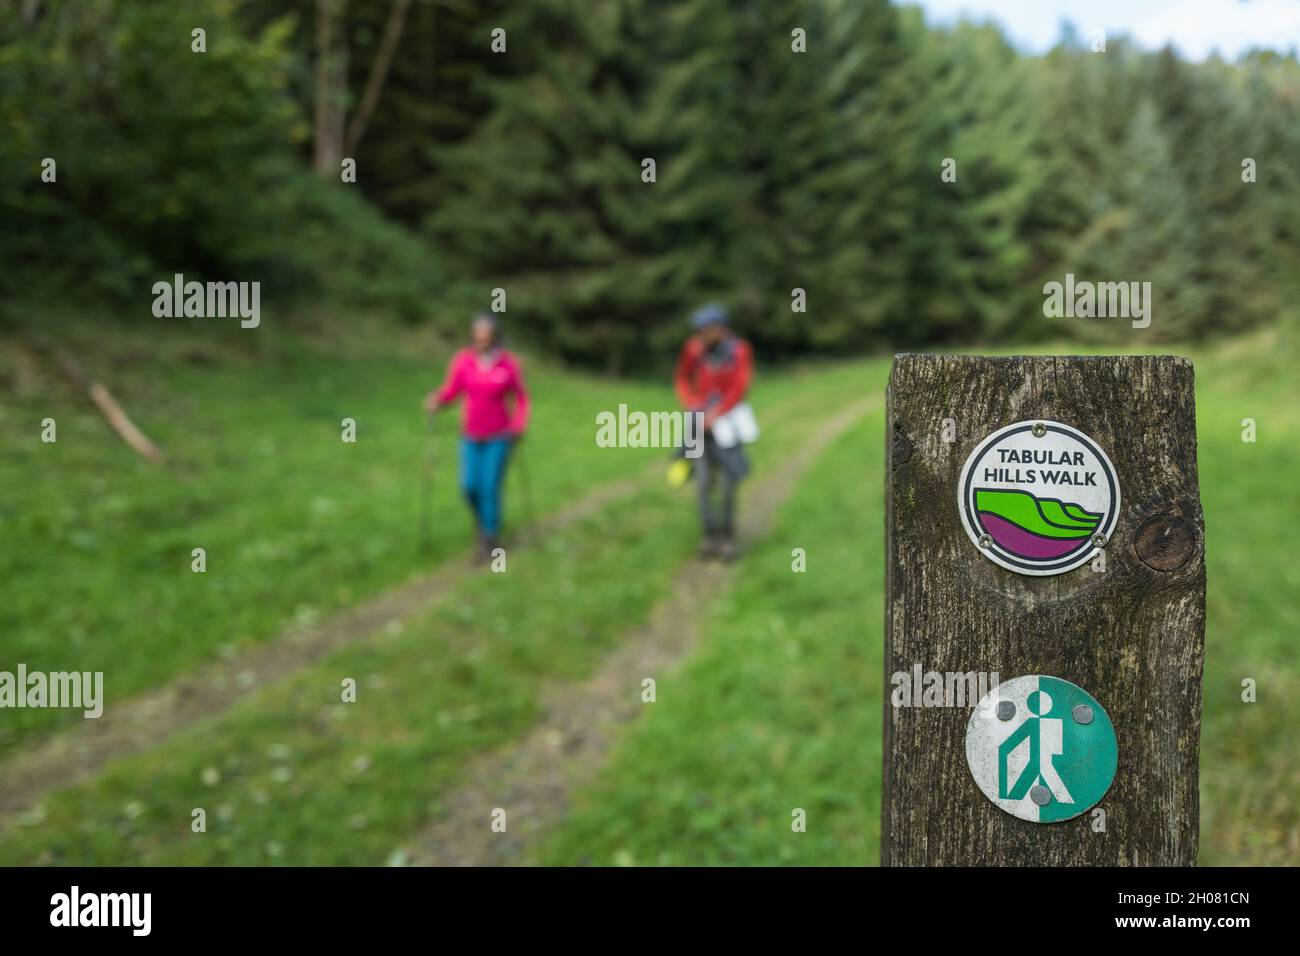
483 550
727 548
709 546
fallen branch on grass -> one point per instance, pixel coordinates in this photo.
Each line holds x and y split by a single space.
113 413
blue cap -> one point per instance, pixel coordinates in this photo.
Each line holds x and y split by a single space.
711 314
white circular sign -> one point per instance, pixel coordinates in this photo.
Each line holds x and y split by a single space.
1041 748
1038 497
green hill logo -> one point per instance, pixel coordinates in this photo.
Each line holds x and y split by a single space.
1038 498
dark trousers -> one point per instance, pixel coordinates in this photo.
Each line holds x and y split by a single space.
719 472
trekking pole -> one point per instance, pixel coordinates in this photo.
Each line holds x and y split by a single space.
527 488
425 541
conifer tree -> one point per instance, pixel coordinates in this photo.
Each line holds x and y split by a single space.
817 103
587 193
968 262
1155 238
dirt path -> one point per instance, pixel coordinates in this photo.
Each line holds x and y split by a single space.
69 756
533 778
144 721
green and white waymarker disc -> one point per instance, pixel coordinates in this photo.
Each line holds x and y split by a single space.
1041 748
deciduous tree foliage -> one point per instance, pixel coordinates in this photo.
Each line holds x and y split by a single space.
173 160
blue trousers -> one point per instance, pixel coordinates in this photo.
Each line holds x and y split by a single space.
482 473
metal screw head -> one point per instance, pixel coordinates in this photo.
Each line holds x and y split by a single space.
1040 795
986 541
1039 429
1006 709
1082 714
1099 540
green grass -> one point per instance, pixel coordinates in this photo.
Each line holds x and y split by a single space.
1249 772
293 775
779 711
779 708
297 776
295 522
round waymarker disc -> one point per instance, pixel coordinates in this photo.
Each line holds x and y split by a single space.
1038 497
1041 748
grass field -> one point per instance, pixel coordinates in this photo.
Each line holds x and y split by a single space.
295 522
783 709
778 708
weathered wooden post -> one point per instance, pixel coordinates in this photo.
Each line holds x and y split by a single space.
1044 523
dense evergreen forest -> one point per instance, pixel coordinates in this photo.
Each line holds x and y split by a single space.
843 175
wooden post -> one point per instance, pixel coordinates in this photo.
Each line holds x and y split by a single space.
1131 635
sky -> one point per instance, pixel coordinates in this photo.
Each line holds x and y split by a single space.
1195 27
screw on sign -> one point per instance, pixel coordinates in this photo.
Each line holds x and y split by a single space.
1041 748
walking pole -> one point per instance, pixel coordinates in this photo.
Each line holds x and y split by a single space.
527 488
425 542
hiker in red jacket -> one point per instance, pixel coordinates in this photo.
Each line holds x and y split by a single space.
713 374
486 374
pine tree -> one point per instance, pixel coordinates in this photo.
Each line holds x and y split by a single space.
432 99
1210 131
815 135
1272 93
968 260
548 199
1154 241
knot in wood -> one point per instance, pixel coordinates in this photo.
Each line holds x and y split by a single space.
1165 543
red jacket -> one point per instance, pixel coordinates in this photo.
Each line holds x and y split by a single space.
716 379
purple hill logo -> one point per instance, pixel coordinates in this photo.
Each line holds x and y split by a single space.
1039 498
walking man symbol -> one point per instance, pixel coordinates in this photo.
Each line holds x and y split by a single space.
1041 748
1046 739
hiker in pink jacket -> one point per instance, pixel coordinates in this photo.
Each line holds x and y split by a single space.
494 417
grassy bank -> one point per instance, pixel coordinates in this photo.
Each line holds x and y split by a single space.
778 709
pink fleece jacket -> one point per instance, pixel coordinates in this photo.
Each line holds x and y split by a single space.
485 389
